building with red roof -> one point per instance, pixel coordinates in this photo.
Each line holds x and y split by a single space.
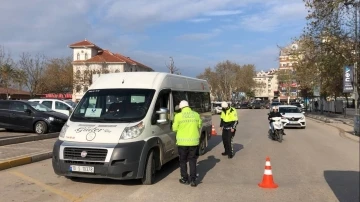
90 60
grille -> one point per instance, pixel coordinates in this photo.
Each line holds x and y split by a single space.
92 154
295 119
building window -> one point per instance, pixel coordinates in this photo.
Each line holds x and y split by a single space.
78 56
117 71
86 56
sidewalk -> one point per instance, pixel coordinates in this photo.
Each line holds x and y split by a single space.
344 125
331 118
7 138
25 153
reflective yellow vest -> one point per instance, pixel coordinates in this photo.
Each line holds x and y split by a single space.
229 115
187 124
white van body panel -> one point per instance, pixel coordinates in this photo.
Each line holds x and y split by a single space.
107 135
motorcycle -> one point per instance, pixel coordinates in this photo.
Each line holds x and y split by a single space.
278 129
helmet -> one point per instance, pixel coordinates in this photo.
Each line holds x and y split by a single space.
224 105
183 104
274 107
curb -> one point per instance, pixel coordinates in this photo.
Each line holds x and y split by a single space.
342 132
18 140
19 161
328 120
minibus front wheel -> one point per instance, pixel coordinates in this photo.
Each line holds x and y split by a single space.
150 169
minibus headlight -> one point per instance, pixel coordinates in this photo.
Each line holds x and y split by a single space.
132 131
63 131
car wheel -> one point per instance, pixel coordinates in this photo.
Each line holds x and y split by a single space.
149 174
202 146
40 127
304 127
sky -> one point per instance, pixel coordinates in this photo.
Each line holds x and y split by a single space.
196 33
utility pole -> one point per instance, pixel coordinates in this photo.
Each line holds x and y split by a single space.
356 124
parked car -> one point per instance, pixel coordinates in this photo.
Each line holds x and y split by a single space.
30 116
243 106
56 105
256 105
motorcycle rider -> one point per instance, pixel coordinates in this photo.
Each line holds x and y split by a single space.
274 113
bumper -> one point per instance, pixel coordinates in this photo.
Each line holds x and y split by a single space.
123 161
298 124
55 126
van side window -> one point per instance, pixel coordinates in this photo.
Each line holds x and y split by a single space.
206 101
162 101
47 103
195 101
178 96
18 106
4 105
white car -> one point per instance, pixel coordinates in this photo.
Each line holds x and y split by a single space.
56 105
295 118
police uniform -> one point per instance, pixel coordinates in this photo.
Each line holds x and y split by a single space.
186 125
229 121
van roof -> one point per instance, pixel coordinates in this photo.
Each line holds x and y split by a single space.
149 80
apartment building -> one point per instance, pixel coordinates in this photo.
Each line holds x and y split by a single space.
267 84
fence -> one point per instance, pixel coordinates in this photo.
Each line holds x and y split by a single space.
338 107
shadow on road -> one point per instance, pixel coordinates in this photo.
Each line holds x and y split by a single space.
205 166
166 170
213 142
344 184
237 147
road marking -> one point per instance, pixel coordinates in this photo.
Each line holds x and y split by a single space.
89 193
44 186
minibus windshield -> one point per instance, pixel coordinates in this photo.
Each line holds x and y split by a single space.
113 105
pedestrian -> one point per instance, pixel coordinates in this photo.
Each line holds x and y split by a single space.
187 124
229 121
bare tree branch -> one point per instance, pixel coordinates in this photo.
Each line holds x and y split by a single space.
33 66
172 68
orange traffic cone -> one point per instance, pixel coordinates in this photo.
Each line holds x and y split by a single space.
268 181
213 131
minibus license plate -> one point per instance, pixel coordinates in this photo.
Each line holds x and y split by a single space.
83 169
293 122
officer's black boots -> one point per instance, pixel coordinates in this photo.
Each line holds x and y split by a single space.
184 181
193 183
224 153
230 156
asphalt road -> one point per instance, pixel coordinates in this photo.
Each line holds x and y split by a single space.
312 164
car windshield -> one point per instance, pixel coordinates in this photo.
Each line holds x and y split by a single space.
289 110
113 105
39 107
71 103
275 103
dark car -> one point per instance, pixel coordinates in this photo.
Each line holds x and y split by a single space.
30 116
243 106
256 105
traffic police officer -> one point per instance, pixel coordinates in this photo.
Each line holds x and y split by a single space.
229 121
186 125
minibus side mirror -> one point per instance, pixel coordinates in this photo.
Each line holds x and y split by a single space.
163 118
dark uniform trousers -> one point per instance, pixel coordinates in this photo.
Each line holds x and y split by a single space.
227 138
188 154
